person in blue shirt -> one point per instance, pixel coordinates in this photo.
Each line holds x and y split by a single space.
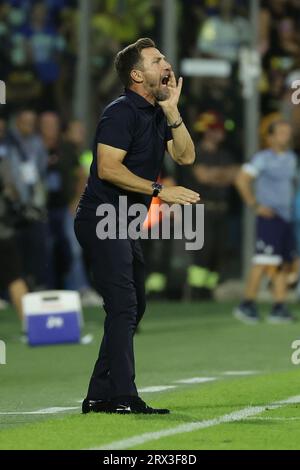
274 173
132 136
45 44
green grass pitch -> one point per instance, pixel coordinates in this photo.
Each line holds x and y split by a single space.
244 405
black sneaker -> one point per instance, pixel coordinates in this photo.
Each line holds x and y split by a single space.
247 313
280 315
131 405
97 406
135 405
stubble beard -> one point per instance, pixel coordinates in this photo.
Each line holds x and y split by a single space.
160 93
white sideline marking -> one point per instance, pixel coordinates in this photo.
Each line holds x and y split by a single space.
192 380
292 400
190 427
240 372
152 389
156 388
196 380
46 411
268 418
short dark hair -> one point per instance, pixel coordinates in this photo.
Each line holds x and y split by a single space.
129 58
273 126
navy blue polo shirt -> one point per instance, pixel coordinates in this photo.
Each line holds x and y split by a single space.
133 124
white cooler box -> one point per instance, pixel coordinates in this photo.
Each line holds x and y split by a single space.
52 317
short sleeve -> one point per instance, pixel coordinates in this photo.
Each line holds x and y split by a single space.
255 166
116 127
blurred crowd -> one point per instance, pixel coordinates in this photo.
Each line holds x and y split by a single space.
43 170
38 53
220 30
49 156
39 42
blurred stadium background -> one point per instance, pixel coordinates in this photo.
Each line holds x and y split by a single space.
239 59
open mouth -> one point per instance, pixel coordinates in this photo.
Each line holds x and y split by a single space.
165 80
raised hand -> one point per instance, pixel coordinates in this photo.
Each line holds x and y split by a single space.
170 104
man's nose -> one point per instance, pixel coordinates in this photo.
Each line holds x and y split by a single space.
167 66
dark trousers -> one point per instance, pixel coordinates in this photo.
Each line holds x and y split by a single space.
118 274
60 255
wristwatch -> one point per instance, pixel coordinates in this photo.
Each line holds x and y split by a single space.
157 187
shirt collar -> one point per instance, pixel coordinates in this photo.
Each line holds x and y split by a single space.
138 99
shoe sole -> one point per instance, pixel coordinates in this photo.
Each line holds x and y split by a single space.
114 412
125 412
239 315
139 412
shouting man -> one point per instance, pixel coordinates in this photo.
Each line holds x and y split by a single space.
132 136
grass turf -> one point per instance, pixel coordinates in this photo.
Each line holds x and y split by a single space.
177 341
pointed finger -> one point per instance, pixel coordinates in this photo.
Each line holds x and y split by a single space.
179 85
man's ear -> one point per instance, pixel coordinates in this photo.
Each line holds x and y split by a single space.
136 76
